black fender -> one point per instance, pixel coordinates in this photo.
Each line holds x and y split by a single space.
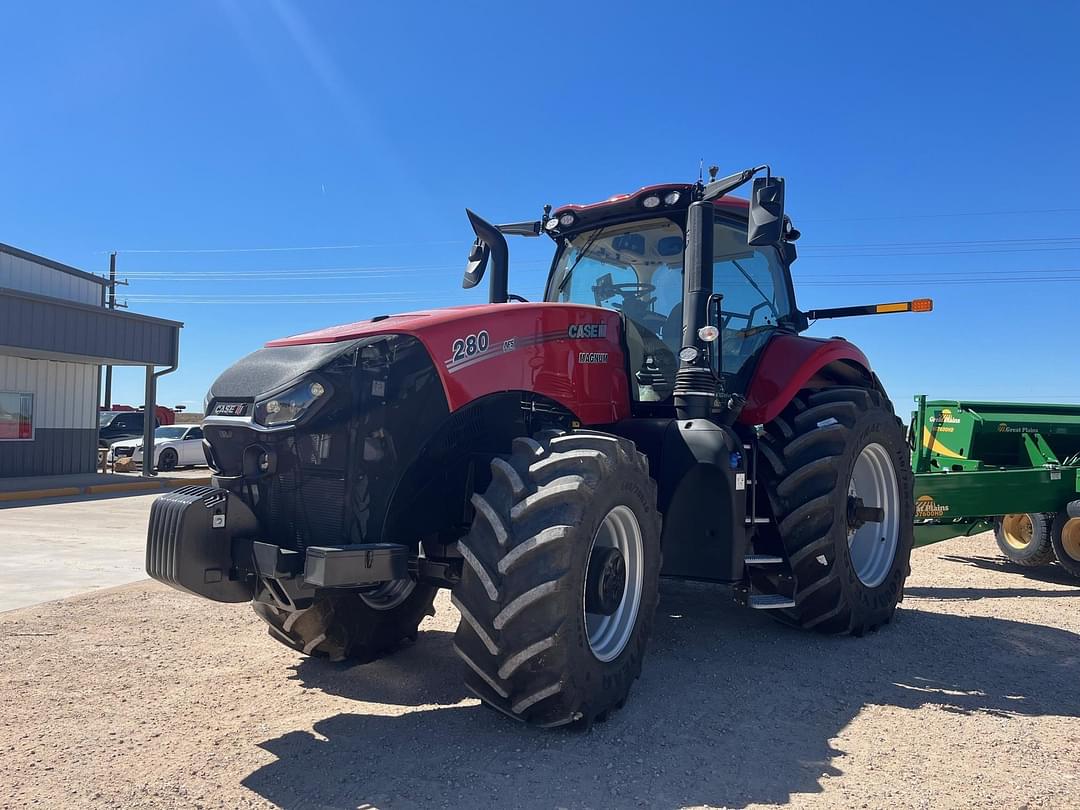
700 471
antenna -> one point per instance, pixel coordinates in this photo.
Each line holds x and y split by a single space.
701 171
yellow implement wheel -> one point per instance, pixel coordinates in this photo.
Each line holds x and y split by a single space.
1070 538
1065 538
1025 538
1016 531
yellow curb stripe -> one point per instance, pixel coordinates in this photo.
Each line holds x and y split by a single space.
37 494
97 489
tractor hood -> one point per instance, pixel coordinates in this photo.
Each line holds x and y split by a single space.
407 323
570 353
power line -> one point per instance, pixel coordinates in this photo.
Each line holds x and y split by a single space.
290 249
940 215
953 243
812 255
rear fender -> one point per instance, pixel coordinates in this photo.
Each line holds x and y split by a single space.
791 363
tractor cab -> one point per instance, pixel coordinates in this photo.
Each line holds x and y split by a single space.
636 266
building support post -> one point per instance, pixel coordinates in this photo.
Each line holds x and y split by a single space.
149 423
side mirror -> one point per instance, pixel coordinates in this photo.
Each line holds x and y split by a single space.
489 243
477 264
766 226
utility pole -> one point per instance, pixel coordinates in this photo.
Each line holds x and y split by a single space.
111 303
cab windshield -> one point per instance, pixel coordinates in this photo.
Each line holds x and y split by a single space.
637 268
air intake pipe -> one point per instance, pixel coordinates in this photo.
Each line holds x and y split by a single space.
695 382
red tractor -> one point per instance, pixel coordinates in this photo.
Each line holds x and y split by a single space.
658 414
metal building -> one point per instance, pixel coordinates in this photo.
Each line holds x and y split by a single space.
55 334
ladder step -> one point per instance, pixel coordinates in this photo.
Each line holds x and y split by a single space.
757 520
770 601
763 559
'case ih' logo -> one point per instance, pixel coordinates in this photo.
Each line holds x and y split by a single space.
229 408
587 330
927 507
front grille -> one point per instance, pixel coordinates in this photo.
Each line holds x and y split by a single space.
123 452
305 509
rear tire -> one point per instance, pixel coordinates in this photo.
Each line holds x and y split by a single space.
1025 538
844 580
1065 541
532 650
345 626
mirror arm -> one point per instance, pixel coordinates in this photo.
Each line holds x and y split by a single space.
521 228
500 256
718 188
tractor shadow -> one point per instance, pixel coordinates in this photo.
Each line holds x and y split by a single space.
732 709
405 677
1052 573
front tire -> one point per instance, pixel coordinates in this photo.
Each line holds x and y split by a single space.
1025 538
348 626
560 580
832 457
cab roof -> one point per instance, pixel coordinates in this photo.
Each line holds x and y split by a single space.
628 205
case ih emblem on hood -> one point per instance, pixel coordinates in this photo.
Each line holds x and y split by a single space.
229 408
587 330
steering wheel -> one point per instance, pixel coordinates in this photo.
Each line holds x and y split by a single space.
514 297
633 288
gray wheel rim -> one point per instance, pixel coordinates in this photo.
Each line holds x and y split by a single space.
608 635
388 595
872 546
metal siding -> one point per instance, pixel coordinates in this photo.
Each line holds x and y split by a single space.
94 333
65 417
54 451
18 273
64 393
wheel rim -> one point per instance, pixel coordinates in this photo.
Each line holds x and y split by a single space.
872 546
168 460
608 635
388 595
1017 531
1070 538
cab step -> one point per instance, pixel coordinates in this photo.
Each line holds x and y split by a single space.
770 601
762 559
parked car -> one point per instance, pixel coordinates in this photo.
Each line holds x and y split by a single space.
115 425
174 446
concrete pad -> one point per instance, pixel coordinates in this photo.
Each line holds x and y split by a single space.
51 551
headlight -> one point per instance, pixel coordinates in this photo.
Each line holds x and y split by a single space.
290 405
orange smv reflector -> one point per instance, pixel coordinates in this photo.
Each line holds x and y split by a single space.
902 306
922 305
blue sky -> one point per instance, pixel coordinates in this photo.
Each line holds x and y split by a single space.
919 141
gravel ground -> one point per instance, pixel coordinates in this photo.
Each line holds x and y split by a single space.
140 696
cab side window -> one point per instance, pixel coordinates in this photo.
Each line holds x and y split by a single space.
752 281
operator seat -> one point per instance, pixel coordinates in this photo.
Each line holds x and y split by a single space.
671 334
